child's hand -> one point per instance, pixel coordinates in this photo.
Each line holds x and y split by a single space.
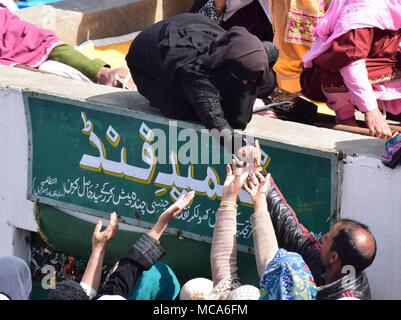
175 209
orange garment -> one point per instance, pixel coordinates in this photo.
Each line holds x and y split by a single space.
293 21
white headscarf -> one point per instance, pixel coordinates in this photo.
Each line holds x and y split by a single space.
229 288
196 289
15 278
233 6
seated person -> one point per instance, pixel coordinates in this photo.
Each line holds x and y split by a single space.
120 283
192 69
291 21
355 62
283 275
23 44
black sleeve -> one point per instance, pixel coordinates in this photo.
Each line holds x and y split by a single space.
291 234
206 101
122 279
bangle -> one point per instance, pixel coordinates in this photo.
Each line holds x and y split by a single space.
260 193
229 204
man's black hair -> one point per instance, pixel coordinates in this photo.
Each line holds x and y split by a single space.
67 290
350 252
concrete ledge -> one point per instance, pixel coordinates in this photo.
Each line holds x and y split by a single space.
76 21
284 132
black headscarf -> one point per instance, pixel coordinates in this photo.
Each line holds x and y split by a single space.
243 52
193 42
212 58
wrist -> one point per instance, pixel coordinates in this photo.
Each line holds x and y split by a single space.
99 250
228 204
155 234
230 198
373 111
260 196
219 9
158 229
259 200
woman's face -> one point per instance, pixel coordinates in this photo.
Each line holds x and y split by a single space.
229 83
245 82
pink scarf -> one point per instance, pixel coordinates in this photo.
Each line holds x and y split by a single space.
346 15
22 42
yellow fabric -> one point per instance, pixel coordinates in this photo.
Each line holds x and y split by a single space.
113 54
289 64
324 109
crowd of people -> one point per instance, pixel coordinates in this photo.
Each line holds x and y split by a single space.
210 65
291 263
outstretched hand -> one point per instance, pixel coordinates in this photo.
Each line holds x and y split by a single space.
257 185
235 179
175 209
249 157
101 238
171 212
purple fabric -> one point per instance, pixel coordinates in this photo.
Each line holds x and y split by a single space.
22 42
392 156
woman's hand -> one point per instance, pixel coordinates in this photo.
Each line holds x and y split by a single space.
250 157
235 179
175 209
257 186
101 238
171 212
377 124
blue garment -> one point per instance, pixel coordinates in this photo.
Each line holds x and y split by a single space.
33 3
158 283
287 277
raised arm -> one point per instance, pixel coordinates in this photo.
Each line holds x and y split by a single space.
144 253
91 279
264 237
291 234
223 256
